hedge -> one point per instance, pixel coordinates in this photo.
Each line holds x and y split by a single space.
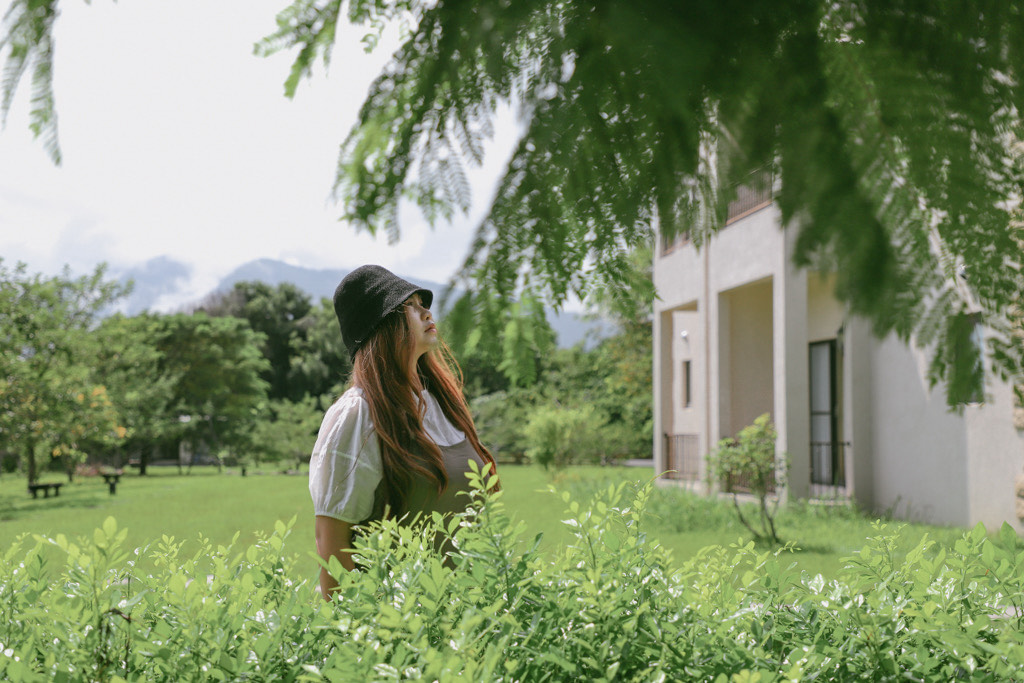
612 606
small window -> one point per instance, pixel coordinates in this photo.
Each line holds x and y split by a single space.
687 393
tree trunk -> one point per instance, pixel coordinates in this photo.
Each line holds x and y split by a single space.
216 444
30 458
69 467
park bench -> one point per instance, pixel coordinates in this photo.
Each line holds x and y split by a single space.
112 479
34 489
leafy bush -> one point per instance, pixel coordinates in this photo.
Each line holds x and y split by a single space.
286 430
499 417
556 436
667 508
749 462
607 607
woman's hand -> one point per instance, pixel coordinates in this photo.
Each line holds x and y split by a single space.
333 539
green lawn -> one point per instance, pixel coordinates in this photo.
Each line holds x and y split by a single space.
164 502
218 506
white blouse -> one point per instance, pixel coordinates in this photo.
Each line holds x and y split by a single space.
345 467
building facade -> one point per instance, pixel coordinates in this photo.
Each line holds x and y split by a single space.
739 331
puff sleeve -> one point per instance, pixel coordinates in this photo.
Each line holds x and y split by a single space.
345 466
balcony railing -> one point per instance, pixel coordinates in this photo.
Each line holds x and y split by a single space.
742 484
670 244
828 469
750 197
682 457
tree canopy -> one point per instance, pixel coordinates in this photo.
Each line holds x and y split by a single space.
50 402
890 130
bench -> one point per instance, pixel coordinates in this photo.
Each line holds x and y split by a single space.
112 479
34 489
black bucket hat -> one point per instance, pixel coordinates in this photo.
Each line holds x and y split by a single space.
365 296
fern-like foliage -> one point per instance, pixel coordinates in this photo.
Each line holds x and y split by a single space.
26 47
892 130
891 127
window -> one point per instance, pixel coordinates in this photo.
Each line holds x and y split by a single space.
827 463
687 394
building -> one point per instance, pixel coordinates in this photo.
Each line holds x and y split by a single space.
739 331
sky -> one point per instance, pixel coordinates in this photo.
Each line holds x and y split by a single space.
178 141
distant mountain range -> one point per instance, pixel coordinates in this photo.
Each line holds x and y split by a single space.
162 281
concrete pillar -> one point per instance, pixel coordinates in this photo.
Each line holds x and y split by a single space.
792 392
721 371
662 384
857 411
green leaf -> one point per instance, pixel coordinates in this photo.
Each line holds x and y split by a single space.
1008 537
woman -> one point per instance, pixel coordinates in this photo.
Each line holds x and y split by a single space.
399 441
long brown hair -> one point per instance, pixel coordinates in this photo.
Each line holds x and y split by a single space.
381 369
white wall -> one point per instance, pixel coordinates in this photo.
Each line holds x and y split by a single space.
824 314
919 463
688 344
747 251
678 277
995 458
747 355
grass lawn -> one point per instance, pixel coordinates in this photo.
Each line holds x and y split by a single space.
163 502
684 523
219 505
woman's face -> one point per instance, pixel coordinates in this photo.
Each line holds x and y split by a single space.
421 326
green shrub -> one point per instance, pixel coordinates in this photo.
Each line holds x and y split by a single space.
500 417
607 608
667 508
557 436
749 462
285 430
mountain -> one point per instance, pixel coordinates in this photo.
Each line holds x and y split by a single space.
163 283
315 282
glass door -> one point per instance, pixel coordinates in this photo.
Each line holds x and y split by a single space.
826 457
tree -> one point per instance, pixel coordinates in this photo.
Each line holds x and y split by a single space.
500 418
511 336
288 430
277 312
49 400
320 361
625 360
218 393
141 387
302 344
584 404
890 129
